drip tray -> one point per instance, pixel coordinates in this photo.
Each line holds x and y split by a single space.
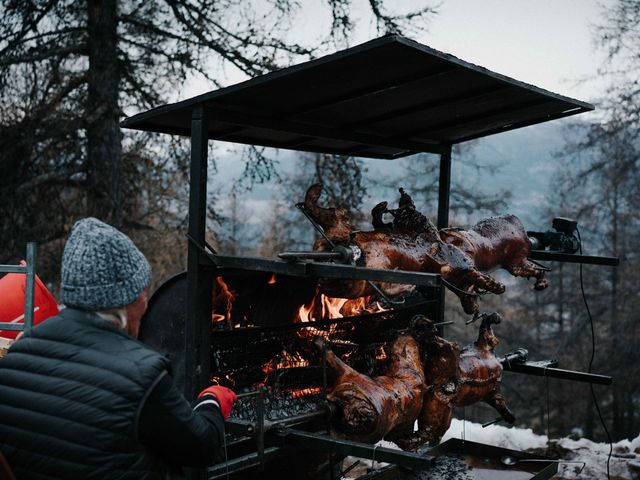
477 461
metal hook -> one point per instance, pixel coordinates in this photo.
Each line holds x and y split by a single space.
317 226
384 297
455 289
477 316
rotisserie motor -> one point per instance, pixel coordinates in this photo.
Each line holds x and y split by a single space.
370 409
411 242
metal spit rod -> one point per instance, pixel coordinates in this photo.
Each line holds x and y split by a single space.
518 362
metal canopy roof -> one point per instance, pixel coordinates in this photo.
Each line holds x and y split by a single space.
386 98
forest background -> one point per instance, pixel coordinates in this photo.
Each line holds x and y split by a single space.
71 70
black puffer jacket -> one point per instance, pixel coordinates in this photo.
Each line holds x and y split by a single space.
71 394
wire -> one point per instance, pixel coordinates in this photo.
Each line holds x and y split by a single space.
455 289
548 410
593 354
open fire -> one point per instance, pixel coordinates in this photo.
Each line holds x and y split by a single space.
265 326
323 307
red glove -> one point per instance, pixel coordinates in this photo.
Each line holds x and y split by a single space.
225 396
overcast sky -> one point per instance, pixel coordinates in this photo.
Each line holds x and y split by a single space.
547 43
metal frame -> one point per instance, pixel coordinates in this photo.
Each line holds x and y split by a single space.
30 271
197 334
574 258
273 439
324 270
539 105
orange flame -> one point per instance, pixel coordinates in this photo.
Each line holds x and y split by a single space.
381 354
272 280
326 308
228 296
283 361
303 392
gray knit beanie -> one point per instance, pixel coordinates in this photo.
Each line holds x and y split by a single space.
101 268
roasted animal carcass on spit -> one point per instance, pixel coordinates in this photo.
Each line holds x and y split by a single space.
497 242
455 378
411 242
370 409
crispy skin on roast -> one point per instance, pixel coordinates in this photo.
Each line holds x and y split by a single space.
410 243
370 409
497 242
455 378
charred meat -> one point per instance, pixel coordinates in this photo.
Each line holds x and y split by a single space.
497 242
370 409
456 378
410 243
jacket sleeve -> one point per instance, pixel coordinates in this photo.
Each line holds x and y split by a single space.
179 434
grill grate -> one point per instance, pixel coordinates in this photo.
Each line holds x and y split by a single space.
287 365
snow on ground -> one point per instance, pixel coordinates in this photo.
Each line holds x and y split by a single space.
513 438
624 465
625 461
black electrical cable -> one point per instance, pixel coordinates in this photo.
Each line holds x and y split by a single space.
593 354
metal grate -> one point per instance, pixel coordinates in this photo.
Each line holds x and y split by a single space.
286 364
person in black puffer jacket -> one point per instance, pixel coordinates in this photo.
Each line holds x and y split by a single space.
82 398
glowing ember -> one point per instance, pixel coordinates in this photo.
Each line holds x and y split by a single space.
283 361
381 354
303 392
287 360
272 280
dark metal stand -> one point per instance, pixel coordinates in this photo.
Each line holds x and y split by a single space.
444 191
197 330
30 271
573 258
542 369
237 121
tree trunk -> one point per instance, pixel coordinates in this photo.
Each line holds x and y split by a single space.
104 149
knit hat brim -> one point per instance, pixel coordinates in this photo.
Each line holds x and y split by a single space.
101 268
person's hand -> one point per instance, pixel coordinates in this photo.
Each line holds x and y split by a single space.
225 396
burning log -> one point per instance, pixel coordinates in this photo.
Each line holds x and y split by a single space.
456 378
370 409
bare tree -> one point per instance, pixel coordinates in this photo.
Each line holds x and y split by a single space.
597 183
69 70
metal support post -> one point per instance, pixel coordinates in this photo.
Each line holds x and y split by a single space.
30 284
197 328
444 190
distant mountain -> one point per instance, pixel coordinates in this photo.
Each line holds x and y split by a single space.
525 161
528 163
